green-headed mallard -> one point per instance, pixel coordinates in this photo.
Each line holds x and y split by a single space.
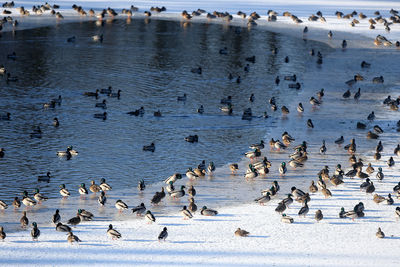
263 199
282 168
199 172
85 215
191 175
304 210
64 191
114 234
35 233
397 213
173 178
141 185
150 217
297 193
208 212
140 210
24 220
251 172
82 189
27 201
178 193
44 178
3 205
211 167
170 187
163 235
241 232
39 197
72 238
75 220
257 146
62 227
390 162
342 213
288 200
295 164
186 213
104 186
102 198
300 108
287 219
287 138
279 145
380 175
253 154
56 217
120 205
389 200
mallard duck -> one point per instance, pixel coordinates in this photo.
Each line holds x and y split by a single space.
313 188
397 150
75 220
102 198
257 146
396 187
141 185
397 213
251 172
191 174
336 180
281 207
288 200
326 192
39 197
318 215
287 138
27 201
63 228
361 174
342 213
173 178
310 123
234 167
199 172
56 217
263 199
102 104
120 205
378 199
2 233
94 188
150 217
297 193
178 193
322 149
170 187
114 234
16 203
151 147
82 189
370 169
279 145
371 135
192 138
304 210
140 210
338 170
208 212
158 196
352 147
295 164
117 94
370 189
390 162
64 191
192 206
191 191
300 108
163 235
282 168
102 116
314 101
241 232
44 178
35 233
186 213
389 200
72 238
287 219
340 140
365 184
304 198
379 233
285 110
24 220
211 167
3 205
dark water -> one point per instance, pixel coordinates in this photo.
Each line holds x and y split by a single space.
150 62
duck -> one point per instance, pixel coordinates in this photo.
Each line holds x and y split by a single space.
39 197
241 232
120 205
287 138
75 220
336 180
371 135
347 94
211 167
94 188
340 140
82 189
361 174
173 178
102 198
378 79
297 193
102 116
310 123
104 186
390 162
234 167
370 170
378 199
300 108
95 94
197 70
140 210
208 212
163 235
322 149
326 192
56 217
27 201
282 168
200 110
150 217
98 38
263 199
295 164
389 200
170 187
380 234
63 227
342 213
37 133
150 147
72 238
141 185
6 117
314 101
352 147
281 207
397 213
192 138
186 213
114 234
44 178
365 184
16 203
102 105
285 110
287 219
313 188
304 210
370 189
117 94
371 116
158 196
318 215
178 193
3 205
191 191
278 144
35 232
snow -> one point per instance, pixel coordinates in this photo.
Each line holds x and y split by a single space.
210 241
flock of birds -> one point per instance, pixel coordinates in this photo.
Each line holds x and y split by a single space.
259 165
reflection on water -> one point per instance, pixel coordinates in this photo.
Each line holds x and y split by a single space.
150 61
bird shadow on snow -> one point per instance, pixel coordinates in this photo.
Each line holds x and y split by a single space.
258 236
174 224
